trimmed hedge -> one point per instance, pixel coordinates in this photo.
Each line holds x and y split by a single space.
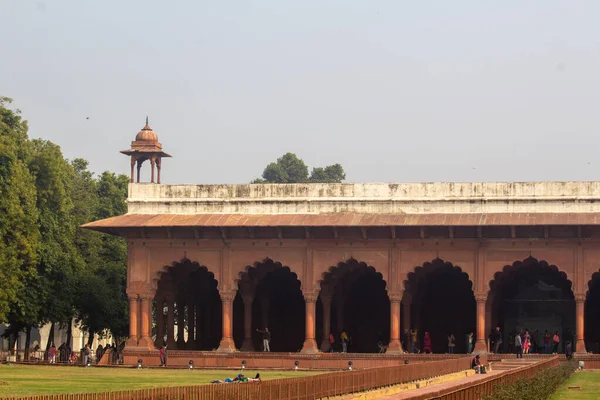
538 387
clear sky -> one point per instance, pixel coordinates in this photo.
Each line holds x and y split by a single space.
393 90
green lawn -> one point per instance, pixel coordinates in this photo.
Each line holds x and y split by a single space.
32 379
590 387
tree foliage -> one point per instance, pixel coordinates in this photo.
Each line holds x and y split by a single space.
291 169
52 271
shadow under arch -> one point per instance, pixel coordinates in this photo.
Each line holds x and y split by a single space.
360 306
531 295
592 315
442 303
194 323
277 303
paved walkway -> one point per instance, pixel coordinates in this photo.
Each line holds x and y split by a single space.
497 368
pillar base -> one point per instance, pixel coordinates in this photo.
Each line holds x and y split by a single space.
226 346
310 347
395 347
480 347
247 345
146 343
131 342
580 347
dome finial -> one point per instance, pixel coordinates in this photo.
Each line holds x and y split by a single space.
146 120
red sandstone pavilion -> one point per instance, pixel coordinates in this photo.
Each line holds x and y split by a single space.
209 265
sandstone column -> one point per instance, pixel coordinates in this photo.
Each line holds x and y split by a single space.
133 321
310 344
395 346
171 323
248 298
579 323
145 322
180 324
326 301
480 346
191 328
152 163
227 345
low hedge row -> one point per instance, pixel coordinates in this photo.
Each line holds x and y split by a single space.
538 387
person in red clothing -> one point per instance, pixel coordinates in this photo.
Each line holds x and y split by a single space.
52 354
427 343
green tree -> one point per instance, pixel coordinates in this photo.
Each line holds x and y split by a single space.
291 169
330 174
19 233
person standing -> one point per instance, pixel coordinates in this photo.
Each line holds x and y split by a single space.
451 343
427 343
556 342
546 342
86 354
469 342
331 342
518 346
497 339
344 339
266 338
413 340
526 343
52 354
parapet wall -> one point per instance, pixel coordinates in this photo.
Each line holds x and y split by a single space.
372 198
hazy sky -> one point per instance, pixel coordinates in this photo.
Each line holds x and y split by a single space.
393 90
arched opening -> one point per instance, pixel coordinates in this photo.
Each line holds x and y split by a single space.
532 296
442 304
188 308
276 303
359 306
592 315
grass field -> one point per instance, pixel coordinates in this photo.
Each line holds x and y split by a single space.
31 379
590 387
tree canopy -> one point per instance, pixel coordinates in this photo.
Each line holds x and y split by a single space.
52 271
291 169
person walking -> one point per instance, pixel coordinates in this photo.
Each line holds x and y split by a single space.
163 356
497 339
451 343
556 342
518 346
526 343
266 338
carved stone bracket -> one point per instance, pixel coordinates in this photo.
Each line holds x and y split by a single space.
142 289
228 296
580 297
311 297
480 297
395 297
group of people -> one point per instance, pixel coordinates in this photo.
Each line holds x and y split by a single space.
526 342
343 343
411 342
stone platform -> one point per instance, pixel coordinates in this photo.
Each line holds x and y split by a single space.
322 361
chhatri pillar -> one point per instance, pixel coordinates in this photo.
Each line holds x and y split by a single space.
310 344
227 345
579 323
480 346
133 320
395 346
145 147
146 321
326 299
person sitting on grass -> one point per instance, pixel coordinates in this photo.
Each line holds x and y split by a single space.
237 379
